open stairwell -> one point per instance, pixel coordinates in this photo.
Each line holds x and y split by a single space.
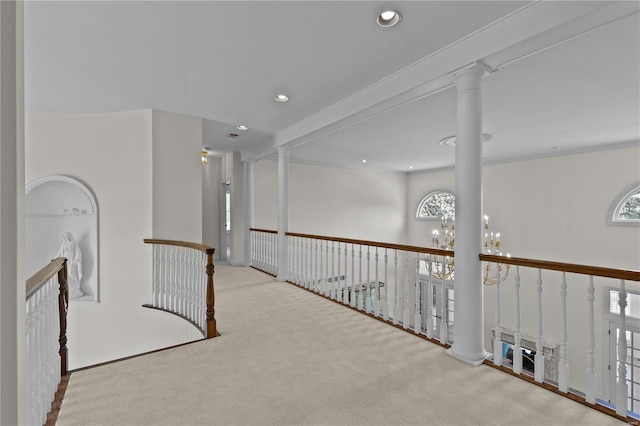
289 357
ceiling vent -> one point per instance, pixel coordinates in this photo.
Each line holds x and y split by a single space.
232 135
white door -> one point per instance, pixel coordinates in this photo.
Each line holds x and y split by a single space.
632 364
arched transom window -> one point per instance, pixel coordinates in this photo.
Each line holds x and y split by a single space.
628 208
437 204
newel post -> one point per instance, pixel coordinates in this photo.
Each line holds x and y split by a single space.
211 298
63 304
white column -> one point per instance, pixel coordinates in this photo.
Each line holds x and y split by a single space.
12 290
283 212
468 343
248 209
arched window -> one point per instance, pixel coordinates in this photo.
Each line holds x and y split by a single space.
627 209
437 204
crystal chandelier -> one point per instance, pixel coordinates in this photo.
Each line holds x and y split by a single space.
444 239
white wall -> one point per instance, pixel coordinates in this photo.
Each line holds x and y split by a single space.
177 177
334 201
236 172
111 154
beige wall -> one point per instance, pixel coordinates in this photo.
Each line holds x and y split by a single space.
334 201
111 154
177 177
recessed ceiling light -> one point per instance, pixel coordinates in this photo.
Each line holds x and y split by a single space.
388 18
282 98
411 167
364 161
451 140
241 127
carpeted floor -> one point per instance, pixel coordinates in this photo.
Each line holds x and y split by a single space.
288 357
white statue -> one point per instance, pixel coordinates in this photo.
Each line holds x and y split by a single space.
71 250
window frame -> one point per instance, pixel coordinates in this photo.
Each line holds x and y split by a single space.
424 200
617 205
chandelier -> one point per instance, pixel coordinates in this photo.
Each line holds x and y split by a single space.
445 238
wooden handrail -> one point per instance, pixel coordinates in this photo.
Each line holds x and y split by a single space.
196 246
621 274
38 279
267 231
402 247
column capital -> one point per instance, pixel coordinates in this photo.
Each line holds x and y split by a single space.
283 150
248 163
469 77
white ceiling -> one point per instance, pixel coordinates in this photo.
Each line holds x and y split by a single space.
567 73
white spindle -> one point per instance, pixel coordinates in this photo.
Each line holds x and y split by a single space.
353 276
339 294
443 336
376 289
417 320
405 317
497 340
563 363
429 313
539 358
333 291
590 375
345 294
386 287
621 384
517 336
362 305
368 285
396 306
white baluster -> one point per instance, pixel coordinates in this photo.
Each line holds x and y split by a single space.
376 292
385 313
405 318
362 305
444 326
353 276
497 340
417 320
590 376
339 295
345 285
621 383
155 296
396 302
517 336
316 275
563 364
539 358
327 283
368 285
333 291
429 313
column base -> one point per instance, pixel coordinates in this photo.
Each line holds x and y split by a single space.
474 359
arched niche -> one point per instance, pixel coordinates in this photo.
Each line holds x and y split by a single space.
55 205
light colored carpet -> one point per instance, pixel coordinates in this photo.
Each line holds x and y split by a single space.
288 357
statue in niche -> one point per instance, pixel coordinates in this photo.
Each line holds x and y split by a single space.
71 250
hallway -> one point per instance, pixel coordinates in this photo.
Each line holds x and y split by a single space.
288 357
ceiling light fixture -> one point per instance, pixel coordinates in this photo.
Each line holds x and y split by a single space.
451 140
204 158
282 98
364 161
388 18
242 127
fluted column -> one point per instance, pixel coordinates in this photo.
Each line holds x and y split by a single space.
248 209
283 213
468 339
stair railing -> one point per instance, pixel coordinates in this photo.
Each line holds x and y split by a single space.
183 282
47 301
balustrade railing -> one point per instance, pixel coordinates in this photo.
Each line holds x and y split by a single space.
47 300
555 331
395 283
183 282
264 250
